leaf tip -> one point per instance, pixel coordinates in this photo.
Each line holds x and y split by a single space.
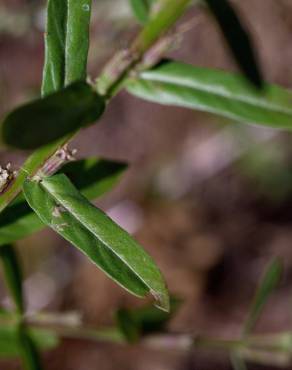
161 300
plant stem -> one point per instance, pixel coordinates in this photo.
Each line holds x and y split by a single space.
107 85
227 345
29 168
112 335
125 61
67 325
168 14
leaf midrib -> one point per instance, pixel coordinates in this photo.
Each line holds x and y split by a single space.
205 107
217 91
63 40
91 231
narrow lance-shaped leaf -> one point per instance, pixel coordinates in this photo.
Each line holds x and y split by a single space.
59 205
46 120
93 177
10 345
237 39
77 40
66 43
141 9
237 361
214 91
28 349
55 41
268 284
13 275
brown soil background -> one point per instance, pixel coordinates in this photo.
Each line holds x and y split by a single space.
195 194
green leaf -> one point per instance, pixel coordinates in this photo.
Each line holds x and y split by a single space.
9 340
141 9
237 361
18 221
77 40
13 275
46 120
134 323
214 91
237 39
128 325
55 41
166 16
59 205
66 43
92 176
268 284
29 352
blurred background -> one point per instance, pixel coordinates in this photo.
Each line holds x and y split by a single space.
209 199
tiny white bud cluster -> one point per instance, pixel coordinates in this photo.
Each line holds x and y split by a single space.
6 175
53 164
66 155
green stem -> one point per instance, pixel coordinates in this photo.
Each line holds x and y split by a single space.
125 61
29 168
112 335
110 80
227 345
168 14
66 326
30 356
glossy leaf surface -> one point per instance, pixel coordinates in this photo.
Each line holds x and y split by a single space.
59 205
77 40
48 119
66 43
55 41
13 275
93 177
214 91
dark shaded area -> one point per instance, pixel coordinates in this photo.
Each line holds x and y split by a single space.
238 40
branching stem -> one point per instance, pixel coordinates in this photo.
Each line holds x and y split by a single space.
110 79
